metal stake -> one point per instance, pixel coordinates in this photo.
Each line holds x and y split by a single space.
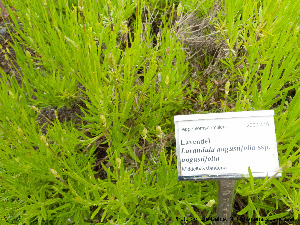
226 191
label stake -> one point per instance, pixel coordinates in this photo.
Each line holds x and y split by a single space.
226 193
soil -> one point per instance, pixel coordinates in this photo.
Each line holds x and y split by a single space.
5 40
6 62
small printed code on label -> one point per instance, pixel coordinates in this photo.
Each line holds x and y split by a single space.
196 168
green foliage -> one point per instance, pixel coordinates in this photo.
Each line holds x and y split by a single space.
122 61
263 60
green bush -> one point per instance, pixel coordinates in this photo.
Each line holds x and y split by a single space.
125 66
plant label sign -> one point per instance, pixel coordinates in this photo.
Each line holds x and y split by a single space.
225 145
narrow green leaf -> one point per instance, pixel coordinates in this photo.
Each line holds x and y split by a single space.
279 215
95 212
193 212
124 209
251 179
280 187
244 210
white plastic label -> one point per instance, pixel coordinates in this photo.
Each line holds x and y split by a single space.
224 145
